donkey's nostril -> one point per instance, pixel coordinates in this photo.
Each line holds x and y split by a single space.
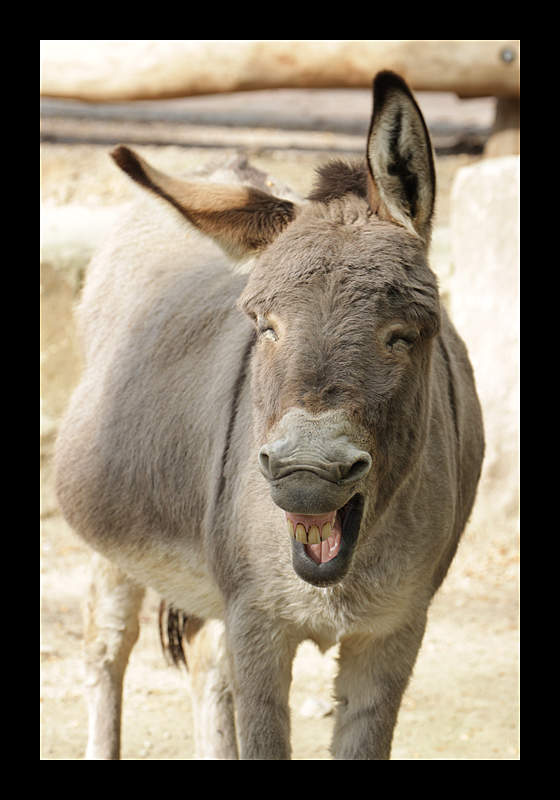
264 463
357 470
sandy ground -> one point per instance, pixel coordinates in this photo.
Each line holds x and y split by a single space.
462 702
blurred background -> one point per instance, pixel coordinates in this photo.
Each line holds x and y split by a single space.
289 106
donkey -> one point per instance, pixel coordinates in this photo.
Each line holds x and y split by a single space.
277 429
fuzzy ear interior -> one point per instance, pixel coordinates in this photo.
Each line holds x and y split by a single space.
401 181
242 220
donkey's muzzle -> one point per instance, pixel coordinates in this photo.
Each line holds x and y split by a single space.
311 464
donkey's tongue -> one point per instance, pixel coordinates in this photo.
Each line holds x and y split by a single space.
321 534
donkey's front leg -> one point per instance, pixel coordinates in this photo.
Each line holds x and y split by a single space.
372 678
110 632
261 658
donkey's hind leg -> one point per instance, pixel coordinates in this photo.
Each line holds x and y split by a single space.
212 692
111 629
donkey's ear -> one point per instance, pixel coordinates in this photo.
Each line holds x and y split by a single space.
401 182
241 219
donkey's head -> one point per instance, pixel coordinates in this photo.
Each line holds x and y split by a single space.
345 309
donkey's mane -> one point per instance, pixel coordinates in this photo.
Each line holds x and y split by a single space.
338 178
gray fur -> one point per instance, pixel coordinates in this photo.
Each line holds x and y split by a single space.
343 384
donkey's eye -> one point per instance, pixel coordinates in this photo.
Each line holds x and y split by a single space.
265 328
401 340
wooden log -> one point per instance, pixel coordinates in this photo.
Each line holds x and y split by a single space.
108 71
505 137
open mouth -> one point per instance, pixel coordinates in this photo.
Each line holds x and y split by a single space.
323 545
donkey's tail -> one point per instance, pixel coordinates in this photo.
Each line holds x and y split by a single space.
174 628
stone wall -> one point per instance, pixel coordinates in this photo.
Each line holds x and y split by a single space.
484 292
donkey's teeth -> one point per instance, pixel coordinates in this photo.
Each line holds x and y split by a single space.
313 535
325 532
316 533
301 534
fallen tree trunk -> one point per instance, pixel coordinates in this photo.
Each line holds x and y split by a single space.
108 71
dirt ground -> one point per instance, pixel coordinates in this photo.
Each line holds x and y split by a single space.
462 702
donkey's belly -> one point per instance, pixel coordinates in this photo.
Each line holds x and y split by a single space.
179 574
